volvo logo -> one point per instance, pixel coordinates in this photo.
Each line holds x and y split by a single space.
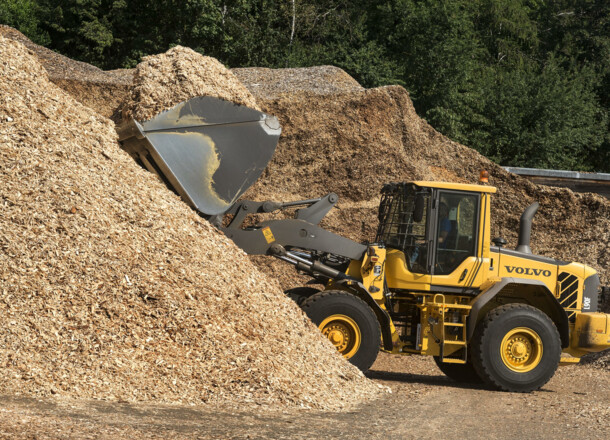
528 271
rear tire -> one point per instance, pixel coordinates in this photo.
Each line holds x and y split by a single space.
348 322
461 373
516 347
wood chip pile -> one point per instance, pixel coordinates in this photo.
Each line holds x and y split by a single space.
100 90
162 81
340 137
112 288
272 83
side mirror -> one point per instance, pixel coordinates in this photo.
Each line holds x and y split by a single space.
418 209
498 241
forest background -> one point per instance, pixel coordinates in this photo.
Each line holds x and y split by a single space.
526 83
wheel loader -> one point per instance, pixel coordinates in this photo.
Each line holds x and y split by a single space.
431 282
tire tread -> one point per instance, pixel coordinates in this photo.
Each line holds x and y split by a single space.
480 365
325 295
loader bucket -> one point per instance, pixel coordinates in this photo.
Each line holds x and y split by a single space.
208 150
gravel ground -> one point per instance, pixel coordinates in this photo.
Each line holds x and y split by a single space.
423 404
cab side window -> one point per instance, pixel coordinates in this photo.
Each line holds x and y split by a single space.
456 231
416 249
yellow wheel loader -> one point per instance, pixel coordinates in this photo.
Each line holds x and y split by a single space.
432 282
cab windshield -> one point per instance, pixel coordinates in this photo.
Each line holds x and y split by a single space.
398 228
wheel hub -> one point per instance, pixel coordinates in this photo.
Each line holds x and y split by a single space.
339 336
521 349
343 332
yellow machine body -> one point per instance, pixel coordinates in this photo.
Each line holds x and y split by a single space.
444 302
590 333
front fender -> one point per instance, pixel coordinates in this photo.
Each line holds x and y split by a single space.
532 292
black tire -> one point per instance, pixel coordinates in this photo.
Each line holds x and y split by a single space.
493 366
328 303
461 373
300 294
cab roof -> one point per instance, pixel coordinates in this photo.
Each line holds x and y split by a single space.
456 186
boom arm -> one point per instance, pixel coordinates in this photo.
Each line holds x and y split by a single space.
302 232
210 152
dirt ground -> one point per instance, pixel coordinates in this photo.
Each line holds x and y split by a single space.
423 404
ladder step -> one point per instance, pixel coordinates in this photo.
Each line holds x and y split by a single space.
455 343
453 361
453 324
452 306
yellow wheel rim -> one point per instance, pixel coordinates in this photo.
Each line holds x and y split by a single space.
344 334
521 349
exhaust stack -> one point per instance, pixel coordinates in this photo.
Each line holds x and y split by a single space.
525 228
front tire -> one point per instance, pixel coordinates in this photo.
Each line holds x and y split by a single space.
516 348
348 322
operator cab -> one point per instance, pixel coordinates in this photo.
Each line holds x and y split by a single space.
435 231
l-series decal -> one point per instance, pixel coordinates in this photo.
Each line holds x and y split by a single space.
528 271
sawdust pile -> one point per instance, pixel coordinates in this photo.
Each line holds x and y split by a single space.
162 81
352 142
112 288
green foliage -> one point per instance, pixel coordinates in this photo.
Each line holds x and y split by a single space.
336 33
509 77
252 33
579 31
526 82
506 29
23 16
544 118
436 45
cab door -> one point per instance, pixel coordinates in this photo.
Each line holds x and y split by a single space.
409 242
456 263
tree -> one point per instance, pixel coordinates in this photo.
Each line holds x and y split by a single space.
23 15
337 33
483 74
441 58
541 118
